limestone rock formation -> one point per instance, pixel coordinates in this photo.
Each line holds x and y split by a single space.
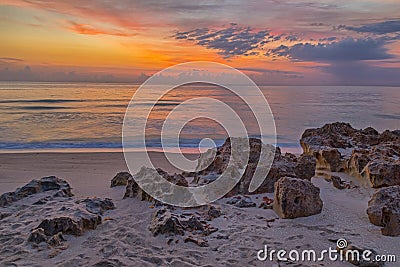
120 179
190 225
384 210
133 190
51 183
296 198
75 224
164 222
366 154
282 165
38 236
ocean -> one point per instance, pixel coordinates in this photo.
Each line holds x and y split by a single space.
89 116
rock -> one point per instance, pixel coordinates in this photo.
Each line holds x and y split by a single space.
56 240
133 190
305 167
201 242
177 179
330 160
218 164
366 154
338 183
241 202
98 206
164 222
193 224
51 183
267 203
380 165
296 198
75 224
282 166
213 212
120 179
384 210
37 236
383 172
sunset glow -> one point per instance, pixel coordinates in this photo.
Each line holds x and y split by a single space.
276 42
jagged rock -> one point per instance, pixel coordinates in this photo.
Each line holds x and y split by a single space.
338 182
75 224
177 179
167 223
60 186
213 212
364 153
383 172
357 162
164 222
384 210
282 166
241 202
192 224
37 236
56 240
219 163
267 203
296 198
305 167
98 206
201 242
120 178
329 159
133 190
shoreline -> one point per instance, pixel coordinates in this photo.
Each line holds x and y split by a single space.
89 173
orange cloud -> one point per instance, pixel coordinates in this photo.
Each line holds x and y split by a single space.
90 30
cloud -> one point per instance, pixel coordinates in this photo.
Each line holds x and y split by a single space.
348 49
7 60
231 41
90 30
385 27
268 71
362 73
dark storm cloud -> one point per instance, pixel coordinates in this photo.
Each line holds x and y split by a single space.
362 73
231 41
344 50
385 27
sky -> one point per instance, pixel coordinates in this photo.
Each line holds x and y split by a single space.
275 42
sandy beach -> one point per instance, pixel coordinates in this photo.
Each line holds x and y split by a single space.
123 239
88 173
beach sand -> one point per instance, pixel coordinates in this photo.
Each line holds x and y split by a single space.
124 240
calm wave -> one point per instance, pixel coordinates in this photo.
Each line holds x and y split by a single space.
87 115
